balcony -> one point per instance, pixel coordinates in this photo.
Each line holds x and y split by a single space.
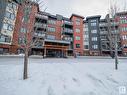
38 46
68 39
114 23
39 34
70 47
68 22
41 16
40 25
103 24
103 32
115 32
68 31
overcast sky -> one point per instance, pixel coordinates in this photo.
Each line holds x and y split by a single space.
81 7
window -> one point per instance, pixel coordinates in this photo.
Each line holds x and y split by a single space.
7 26
93 24
77 38
123 29
52 37
5 39
125 46
51 29
86 36
95 46
51 22
77 45
93 31
10 27
122 21
21 40
12 5
94 38
93 21
78 30
124 37
10 15
86 29
78 21
86 46
23 30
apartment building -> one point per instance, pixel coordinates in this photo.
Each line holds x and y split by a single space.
59 35
107 38
92 34
122 19
24 25
8 13
98 39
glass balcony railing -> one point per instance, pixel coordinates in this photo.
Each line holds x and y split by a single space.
42 16
41 25
68 38
39 34
68 30
68 22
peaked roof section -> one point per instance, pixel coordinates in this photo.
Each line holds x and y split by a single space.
77 16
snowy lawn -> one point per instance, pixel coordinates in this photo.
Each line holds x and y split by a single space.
62 77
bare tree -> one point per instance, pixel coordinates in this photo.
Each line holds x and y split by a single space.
28 44
27 41
113 36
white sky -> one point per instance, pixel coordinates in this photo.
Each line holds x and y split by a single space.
81 7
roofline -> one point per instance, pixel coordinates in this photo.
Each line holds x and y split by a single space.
77 16
90 17
119 13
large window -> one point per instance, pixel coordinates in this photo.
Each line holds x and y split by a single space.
125 46
78 21
21 40
95 46
93 20
124 37
12 5
5 39
23 30
93 24
51 29
86 46
7 26
94 38
77 30
93 31
51 21
52 37
10 15
77 45
123 29
77 38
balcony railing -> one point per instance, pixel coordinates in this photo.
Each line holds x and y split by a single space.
40 25
39 46
103 32
68 22
68 38
42 16
70 31
39 34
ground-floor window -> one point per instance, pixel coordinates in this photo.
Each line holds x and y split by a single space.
4 50
20 51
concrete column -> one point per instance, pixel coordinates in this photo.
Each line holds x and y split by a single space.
44 52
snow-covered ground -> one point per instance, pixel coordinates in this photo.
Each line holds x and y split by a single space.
62 77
